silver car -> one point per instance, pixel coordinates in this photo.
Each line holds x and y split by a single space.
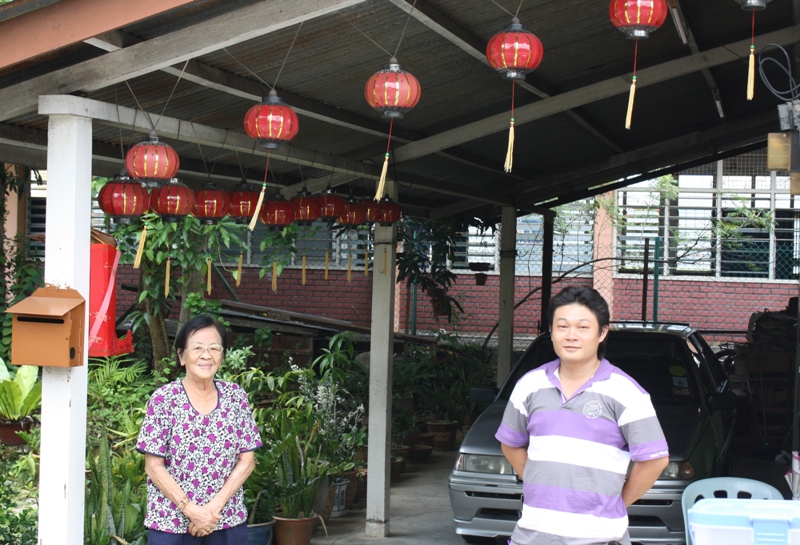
697 416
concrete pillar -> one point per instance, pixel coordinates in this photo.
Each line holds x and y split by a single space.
380 378
505 330
67 230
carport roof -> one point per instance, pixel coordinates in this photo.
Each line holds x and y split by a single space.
204 63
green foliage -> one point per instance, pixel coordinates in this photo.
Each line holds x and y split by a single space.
196 304
282 246
18 518
20 396
299 474
261 488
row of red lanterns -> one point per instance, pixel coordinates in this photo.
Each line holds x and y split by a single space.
125 200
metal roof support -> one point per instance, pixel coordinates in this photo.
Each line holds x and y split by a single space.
380 376
63 450
505 330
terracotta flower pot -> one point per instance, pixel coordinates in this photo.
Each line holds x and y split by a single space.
8 431
350 496
445 437
294 531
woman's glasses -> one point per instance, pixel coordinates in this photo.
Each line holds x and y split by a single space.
197 349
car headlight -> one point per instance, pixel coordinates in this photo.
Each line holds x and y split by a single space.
484 464
678 471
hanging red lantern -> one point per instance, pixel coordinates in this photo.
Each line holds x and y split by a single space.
754 6
306 208
243 202
272 122
123 199
277 213
372 210
211 204
636 19
392 91
172 201
514 52
389 212
331 205
353 213
152 161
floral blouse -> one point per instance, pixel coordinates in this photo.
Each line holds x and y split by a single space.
199 451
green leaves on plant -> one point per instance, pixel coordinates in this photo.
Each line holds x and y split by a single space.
21 396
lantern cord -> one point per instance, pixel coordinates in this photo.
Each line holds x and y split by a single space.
510 151
366 260
239 270
166 277
364 34
274 275
385 168
632 93
504 9
303 271
519 7
260 202
751 64
327 261
140 250
246 68
208 275
287 53
404 28
146 114
164 109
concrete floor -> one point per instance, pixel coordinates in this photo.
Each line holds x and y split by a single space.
420 512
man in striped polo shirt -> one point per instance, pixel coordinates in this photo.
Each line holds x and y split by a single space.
570 430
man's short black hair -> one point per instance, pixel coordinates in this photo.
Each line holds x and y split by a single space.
589 298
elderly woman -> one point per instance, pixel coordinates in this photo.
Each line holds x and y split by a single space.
198 438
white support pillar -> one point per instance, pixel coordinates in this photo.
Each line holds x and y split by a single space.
67 231
505 329
380 378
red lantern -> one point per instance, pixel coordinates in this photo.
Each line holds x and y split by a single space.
331 205
353 213
637 18
389 212
123 199
210 204
277 213
152 162
372 210
272 122
514 52
243 202
172 201
306 208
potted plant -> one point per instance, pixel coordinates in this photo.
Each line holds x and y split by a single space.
20 397
260 498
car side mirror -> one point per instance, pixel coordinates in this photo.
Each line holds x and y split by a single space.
483 395
722 401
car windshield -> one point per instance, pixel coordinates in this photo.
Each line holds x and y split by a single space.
657 362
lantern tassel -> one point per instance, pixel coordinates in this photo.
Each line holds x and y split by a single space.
385 168
274 276
510 153
384 261
751 74
208 275
303 271
166 278
327 260
349 268
631 96
366 261
260 202
239 270
140 250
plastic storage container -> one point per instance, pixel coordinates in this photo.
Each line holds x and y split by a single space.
745 522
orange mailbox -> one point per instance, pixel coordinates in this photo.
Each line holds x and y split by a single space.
103 340
47 328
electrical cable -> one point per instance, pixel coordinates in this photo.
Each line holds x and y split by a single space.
793 92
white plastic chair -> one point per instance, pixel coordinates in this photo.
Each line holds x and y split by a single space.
724 487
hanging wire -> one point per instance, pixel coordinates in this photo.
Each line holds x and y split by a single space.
272 86
121 145
164 109
363 33
246 68
286 58
504 9
147 115
519 8
793 90
404 28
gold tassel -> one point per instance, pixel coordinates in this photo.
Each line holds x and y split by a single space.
274 276
349 268
384 261
239 271
630 104
254 219
208 275
510 152
140 250
327 260
751 74
166 278
303 271
382 180
366 262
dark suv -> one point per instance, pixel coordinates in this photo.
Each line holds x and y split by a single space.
689 389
